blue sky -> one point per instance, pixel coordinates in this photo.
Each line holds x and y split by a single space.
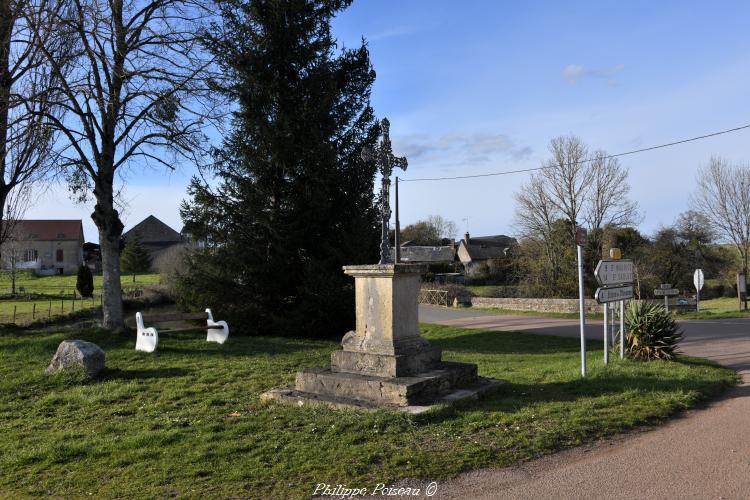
482 86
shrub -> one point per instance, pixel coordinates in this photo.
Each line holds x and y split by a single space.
85 281
652 332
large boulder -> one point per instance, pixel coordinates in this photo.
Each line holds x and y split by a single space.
77 355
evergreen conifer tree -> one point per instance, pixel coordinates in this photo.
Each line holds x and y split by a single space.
85 281
134 258
295 201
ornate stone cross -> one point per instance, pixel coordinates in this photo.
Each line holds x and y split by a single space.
385 161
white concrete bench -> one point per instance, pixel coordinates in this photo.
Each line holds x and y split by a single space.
147 338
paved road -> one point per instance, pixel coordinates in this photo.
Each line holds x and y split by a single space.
704 454
725 341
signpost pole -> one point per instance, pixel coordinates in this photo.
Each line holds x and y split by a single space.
606 335
581 309
397 235
666 302
698 281
622 329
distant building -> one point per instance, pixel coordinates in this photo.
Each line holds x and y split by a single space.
155 236
427 254
473 252
46 246
92 256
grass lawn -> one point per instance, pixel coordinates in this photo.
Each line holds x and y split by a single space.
537 314
481 290
55 285
27 311
186 421
725 307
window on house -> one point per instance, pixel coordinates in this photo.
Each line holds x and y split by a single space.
30 255
59 255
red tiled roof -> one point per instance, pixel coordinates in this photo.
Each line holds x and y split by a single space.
49 230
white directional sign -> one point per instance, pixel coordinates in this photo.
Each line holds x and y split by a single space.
698 279
666 291
614 272
614 294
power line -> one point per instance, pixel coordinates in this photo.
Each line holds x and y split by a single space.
650 148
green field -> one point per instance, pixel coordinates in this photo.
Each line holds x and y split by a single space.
24 312
52 296
187 421
27 282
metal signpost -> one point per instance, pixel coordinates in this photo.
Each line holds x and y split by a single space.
667 291
698 282
580 240
742 291
616 279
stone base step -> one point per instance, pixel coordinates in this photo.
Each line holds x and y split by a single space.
289 395
387 391
386 365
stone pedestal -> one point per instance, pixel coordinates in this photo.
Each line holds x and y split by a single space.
385 362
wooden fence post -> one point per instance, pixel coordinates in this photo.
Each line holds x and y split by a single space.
33 311
62 305
49 311
14 314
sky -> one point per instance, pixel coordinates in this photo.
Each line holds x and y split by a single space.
483 86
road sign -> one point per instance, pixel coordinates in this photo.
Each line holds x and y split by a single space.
698 279
665 286
614 272
614 294
666 291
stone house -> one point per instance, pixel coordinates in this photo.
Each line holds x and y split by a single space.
473 252
155 237
46 246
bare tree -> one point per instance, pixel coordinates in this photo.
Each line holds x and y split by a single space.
608 203
568 178
444 228
137 94
723 197
27 94
572 189
534 218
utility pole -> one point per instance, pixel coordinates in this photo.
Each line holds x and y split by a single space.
397 238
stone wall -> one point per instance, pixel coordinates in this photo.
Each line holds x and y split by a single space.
539 305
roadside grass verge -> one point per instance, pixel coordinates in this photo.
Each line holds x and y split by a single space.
536 314
186 421
722 308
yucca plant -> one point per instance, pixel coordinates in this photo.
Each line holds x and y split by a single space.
652 332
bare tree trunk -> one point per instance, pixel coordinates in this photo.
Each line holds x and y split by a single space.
6 28
110 227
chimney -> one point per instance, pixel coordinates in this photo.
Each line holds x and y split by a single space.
466 237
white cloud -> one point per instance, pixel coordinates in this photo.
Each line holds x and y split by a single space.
573 73
478 146
391 33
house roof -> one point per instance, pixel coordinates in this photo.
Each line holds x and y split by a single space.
427 254
488 247
152 230
48 230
